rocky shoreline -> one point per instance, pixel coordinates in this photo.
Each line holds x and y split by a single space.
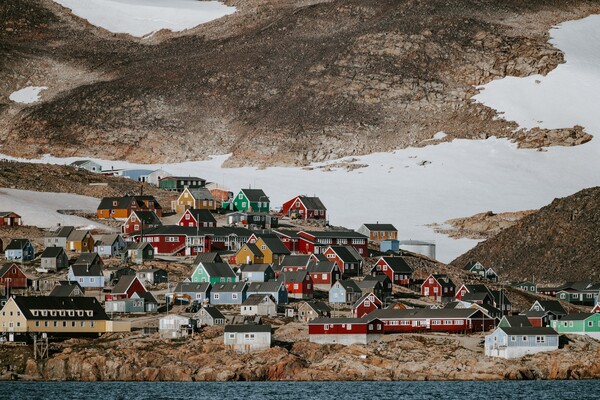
205 358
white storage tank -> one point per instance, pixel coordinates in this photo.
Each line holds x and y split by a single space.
422 247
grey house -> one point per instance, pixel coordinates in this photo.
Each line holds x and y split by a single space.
54 259
245 338
89 165
209 316
110 245
190 292
67 289
344 292
152 276
58 238
259 304
276 289
228 293
257 272
140 252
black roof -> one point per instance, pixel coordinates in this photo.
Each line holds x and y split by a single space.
552 305
202 215
17 244
346 253
256 299
211 257
319 306
380 227
255 267
218 270
191 231
147 217
52 252
350 284
398 264
265 287
192 287
312 203
336 234
255 195
293 276
323 267
65 289
576 317
296 260
529 330
214 312
28 303
229 287
84 270
247 328
275 245
517 320
63 231
88 259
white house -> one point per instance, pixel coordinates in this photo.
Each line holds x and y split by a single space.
174 326
259 304
516 342
246 338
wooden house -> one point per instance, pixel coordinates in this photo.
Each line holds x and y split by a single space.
58 237
10 218
247 338
345 331
457 320
273 249
347 258
120 208
138 252
175 326
180 183
88 276
379 232
66 289
13 277
516 342
386 284
194 198
371 286
152 276
395 268
344 292
19 249
249 253
539 318
228 293
304 207
259 304
549 305
475 267
140 221
80 241
324 274
310 310
201 218
365 305
88 165
513 321
276 289
579 324
54 259
253 220
299 284
189 292
252 200
214 273
209 316
257 272
315 242
126 286
110 245
439 287
295 262
526 286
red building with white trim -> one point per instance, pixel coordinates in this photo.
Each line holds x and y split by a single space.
304 207
395 268
439 287
345 331
365 305
12 277
451 320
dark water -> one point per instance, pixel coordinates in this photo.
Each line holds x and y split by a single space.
532 390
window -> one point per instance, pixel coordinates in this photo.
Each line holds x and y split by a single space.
367 303
234 296
216 296
323 276
590 323
570 324
349 327
187 216
37 323
370 327
524 338
513 338
92 324
326 327
232 336
295 286
136 227
240 196
55 324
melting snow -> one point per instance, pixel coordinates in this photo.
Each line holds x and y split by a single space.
144 17
28 95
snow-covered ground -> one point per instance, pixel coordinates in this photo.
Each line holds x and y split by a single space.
144 17
27 95
463 177
40 208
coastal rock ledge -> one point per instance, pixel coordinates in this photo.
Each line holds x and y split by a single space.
205 358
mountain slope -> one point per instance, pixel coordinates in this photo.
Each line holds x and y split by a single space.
274 83
559 242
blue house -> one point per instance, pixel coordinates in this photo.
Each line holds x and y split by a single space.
19 249
229 293
344 292
88 276
516 342
257 272
110 245
274 288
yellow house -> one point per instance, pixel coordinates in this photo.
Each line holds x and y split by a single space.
249 254
273 249
80 242
199 198
56 316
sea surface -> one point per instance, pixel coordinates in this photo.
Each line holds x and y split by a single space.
533 390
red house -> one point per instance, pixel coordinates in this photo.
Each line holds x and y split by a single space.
345 331
395 268
324 274
365 305
466 289
9 218
126 287
295 262
140 221
439 287
299 284
315 242
197 218
12 277
304 207
347 258
596 308
452 320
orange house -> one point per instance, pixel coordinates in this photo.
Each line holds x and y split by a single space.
121 207
80 242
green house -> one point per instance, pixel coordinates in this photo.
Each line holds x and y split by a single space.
525 286
580 297
178 183
213 273
252 200
579 324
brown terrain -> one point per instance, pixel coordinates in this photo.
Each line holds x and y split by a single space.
558 243
276 82
480 226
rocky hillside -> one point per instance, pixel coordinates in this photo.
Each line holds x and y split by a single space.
205 358
559 242
274 83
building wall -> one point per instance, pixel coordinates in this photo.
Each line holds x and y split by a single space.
241 342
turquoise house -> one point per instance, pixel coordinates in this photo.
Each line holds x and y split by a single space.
252 200
214 273
579 324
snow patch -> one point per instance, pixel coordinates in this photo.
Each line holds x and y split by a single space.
27 95
143 17
40 208
440 136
